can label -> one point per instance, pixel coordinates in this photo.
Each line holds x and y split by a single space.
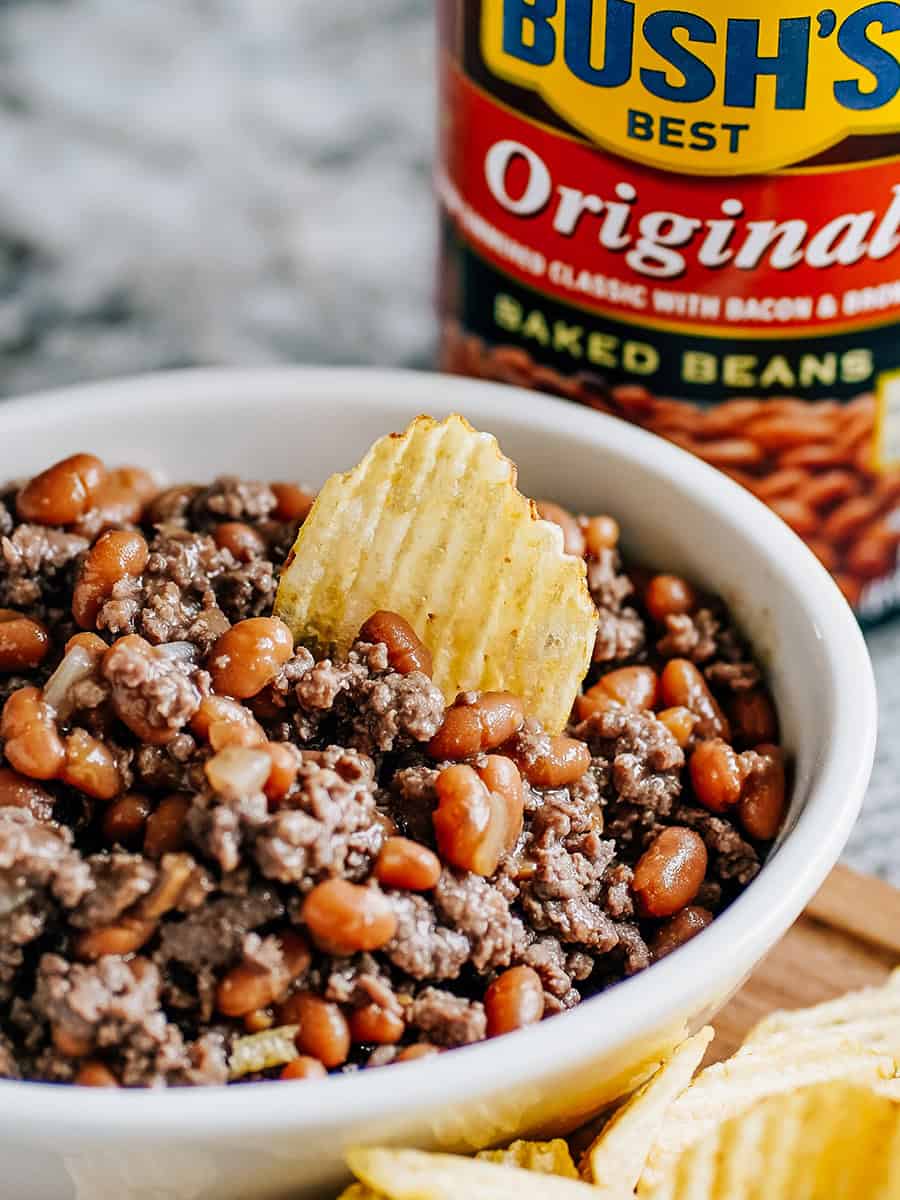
683 218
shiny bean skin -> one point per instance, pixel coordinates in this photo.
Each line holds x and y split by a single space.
293 503
680 722
669 873
249 655
243 542
126 936
95 1074
90 767
116 555
407 865
678 930
513 1000
502 778
477 722
18 791
24 643
631 687
717 774
303 1067
246 988
283 772
564 760
763 804
406 650
753 718
223 722
62 493
600 533
32 744
322 1033
124 820
376 1025
344 917
166 826
119 500
259 1020
668 596
682 685
473 824
573 538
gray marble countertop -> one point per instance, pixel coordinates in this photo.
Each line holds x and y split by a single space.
211 181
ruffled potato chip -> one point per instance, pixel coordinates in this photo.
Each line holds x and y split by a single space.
430 525
617 1156
261 1051
834 1141
415 1175
547 1158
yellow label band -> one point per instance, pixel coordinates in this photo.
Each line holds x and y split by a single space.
709 89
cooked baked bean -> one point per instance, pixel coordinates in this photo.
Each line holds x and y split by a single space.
166 827
680 722
119 500
18 791
573 538
682 686
249 655
242 542
259 1020
783 432
293 502
95 1074
90 767
833 486
848 518
377 1025
246 988
28 727
91 642
678 930
62 493
600 533
717 774
513 1000
730 452
125 818
565 760
322 1033
70 1045
116 555
171 504
223 722
763 802
479 814
126 936
419 1050
874 554
407 865
406 651
303 1067
24 643
283 772
345 917
177 869
668 596
477 721
238 771
801 518
633 687
669 873
780 483
753 718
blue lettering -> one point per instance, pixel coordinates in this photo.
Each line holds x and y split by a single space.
699 81
744 64
535 15
853 39
618 40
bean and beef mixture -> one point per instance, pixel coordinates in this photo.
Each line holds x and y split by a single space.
206 834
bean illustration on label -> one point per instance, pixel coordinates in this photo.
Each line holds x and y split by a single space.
691 220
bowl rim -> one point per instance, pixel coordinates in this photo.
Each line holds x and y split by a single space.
35 1111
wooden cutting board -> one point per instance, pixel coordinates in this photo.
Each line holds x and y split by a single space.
848 937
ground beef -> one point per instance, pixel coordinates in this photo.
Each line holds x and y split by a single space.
422 947
35 564
620 632
643 759
150 689
690 636
119 880
476 908
732 859
735 677
448 1020
9 1068
412 800
229 498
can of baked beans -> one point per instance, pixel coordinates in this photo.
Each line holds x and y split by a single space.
691 219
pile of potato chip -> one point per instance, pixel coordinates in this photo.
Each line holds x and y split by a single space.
807 1109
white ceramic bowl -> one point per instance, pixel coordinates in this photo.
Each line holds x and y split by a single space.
277 1140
